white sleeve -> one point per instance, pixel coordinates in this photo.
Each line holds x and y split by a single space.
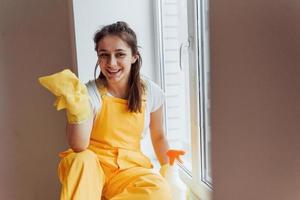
95 98
155 95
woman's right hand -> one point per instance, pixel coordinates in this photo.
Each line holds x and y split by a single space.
71 94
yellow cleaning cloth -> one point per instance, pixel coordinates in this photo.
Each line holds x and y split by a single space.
71 94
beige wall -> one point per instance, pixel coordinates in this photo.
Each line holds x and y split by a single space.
34 41
255 56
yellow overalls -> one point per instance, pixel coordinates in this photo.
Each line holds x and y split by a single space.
113 167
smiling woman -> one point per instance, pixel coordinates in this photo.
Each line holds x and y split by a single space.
105 158
114 154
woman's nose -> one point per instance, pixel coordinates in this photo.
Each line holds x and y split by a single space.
112 61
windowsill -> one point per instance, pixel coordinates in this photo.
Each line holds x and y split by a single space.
199 191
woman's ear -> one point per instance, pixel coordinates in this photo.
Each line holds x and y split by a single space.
134 58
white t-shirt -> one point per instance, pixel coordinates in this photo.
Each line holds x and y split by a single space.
155 98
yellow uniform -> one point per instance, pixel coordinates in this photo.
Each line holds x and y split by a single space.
113 167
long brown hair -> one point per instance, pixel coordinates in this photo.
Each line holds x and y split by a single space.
135 85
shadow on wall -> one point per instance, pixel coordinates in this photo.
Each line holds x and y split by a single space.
35 41
255 99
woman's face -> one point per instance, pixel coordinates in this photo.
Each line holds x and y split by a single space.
115 59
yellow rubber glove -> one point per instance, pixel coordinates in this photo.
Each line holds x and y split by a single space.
173 155
71 94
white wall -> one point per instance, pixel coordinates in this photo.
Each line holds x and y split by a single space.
90 15
255 72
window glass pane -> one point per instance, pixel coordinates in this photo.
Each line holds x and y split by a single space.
178 83
176 76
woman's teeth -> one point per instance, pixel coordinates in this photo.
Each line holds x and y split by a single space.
113 71
116 70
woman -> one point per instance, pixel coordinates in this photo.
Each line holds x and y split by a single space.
104 133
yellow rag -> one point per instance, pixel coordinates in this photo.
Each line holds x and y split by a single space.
70 94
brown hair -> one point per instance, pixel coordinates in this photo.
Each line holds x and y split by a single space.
135 85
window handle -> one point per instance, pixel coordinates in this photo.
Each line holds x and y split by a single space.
182 45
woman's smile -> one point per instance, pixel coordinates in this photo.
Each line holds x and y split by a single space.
113 73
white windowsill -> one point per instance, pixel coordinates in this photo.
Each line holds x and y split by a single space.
199 191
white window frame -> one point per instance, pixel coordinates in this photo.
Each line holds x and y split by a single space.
197 30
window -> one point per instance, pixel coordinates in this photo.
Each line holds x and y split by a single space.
183 54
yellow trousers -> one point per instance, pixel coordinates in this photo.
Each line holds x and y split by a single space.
83 177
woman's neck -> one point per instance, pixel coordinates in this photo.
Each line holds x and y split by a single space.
119 90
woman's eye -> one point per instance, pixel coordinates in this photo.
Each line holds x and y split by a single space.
121 55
